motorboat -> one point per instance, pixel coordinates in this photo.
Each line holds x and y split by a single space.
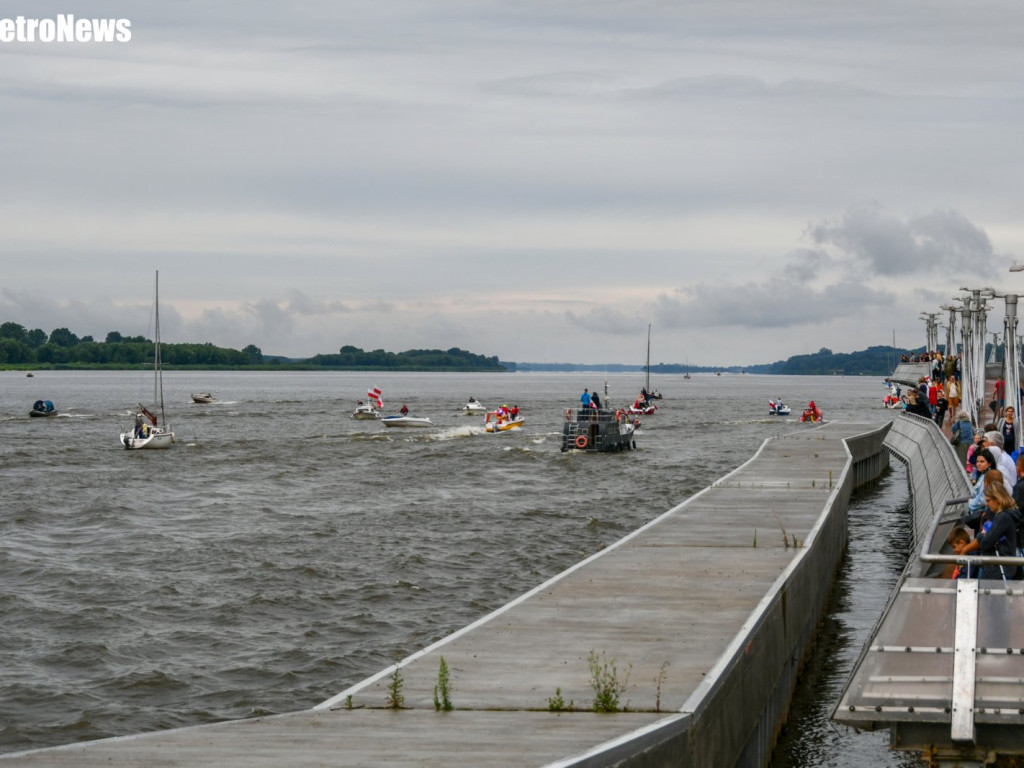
778 408
203 397
892 399
645 408
42 408
812 413
598 430
151 435
473 406
503 421
405 420
365 411
371 409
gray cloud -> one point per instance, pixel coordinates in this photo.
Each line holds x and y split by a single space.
942 241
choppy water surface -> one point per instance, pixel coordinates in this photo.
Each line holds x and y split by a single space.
282 551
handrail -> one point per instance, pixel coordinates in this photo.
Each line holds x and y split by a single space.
959 559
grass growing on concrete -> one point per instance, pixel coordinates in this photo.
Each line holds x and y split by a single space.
604 679
443 689
396 699
557 703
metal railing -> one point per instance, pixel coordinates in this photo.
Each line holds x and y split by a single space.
927 556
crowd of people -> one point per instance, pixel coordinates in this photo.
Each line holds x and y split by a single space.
994 523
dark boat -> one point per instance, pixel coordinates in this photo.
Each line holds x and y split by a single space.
42 408
597 430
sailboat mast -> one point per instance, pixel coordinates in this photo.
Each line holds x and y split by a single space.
158 384
647 381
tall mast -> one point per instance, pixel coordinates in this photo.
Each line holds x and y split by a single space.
647 381
158 384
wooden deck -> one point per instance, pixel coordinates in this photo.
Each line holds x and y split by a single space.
670 604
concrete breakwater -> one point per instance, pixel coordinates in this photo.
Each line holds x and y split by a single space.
703 616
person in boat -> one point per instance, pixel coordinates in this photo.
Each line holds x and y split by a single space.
771 405
404 410
585 399
471 399
514 412
595 401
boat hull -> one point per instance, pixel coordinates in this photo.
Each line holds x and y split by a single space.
365 415
203 399
406 421
504 426
156 440
42 413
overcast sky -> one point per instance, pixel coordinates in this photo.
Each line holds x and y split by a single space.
533 179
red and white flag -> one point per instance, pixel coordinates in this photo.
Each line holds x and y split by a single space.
374 394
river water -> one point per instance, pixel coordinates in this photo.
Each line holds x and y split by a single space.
282 551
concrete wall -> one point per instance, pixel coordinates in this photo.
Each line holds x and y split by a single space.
754 684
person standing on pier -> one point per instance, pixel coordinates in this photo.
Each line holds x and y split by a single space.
1008 429
941 405
953 395
998 534
962 435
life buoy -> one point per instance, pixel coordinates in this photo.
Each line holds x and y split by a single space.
581 442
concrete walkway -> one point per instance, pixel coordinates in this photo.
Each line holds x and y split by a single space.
668 605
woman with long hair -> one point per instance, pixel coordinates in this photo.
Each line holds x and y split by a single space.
997 536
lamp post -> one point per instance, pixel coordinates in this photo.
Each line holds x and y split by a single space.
951 329
932 332
973 362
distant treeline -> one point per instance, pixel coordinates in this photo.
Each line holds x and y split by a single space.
874 361
61 347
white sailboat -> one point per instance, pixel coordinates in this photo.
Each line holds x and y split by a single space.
647 380
155 434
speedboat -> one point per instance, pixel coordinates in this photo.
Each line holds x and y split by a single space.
473 406
42 408
203 397
406 421
365 411
778 408
811 413
645 408
502 422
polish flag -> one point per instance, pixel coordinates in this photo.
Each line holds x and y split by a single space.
374 394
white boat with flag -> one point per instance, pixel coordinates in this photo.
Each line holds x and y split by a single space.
155 433
371 408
